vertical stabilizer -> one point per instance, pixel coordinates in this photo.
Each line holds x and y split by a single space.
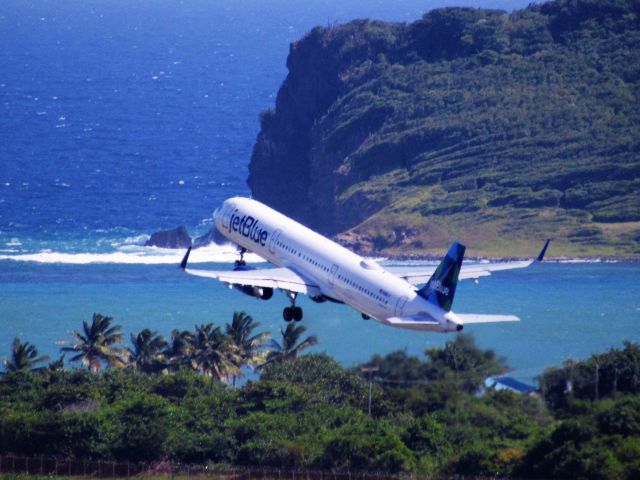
441 287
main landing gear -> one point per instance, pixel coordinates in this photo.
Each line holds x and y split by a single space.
292 312
241 262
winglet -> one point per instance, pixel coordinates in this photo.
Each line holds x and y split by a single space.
543 251
185 259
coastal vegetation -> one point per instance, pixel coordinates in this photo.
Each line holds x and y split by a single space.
498 129
176 400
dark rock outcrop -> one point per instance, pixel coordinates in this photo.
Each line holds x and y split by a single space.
176 238
212 236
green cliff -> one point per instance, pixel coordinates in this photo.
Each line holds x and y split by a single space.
498 130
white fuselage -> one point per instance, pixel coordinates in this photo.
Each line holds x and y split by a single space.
339 273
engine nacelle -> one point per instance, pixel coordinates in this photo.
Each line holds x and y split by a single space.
265 293
324 298
258 292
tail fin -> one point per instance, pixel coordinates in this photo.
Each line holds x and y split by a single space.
441 287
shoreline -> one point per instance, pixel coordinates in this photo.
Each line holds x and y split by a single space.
550 259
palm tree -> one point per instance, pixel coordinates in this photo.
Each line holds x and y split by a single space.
24 356
178 351
250 348
96 343
147 354
56 365
214 353
290 347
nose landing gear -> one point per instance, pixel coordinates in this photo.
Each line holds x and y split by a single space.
292 312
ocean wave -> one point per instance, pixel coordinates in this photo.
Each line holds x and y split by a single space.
138 240
136 254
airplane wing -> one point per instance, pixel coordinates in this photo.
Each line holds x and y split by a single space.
276 278
420 275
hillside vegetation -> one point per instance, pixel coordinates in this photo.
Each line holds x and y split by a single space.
499 130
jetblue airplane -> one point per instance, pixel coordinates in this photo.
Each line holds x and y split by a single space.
311 264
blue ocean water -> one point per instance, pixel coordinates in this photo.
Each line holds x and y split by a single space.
121 118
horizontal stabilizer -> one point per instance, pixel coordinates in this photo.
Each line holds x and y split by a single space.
482 318
411 321
417 322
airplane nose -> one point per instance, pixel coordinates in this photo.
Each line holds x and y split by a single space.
217 214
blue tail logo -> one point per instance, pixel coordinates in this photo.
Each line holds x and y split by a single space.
441 287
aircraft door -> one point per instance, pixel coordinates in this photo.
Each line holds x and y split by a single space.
332 274
274 240
226 215
400 306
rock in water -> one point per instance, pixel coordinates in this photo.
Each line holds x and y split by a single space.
212 236
406 135
176 238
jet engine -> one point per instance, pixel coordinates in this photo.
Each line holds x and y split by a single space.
325 298
258 292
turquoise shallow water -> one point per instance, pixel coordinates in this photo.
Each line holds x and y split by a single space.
567 310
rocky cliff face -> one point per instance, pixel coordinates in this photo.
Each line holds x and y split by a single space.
468 123
292 169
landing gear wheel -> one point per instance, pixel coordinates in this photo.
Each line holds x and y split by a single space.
241 262
365 316
287 314
297 314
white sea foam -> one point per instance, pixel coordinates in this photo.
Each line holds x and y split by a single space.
585 260
135 240
135 254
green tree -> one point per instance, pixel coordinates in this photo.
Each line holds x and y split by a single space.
399 366
147 354
291 344
137 427
179 349
214 353
324 381
605 375
56 365
97 343
24 356
250 347
365 444
463 362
